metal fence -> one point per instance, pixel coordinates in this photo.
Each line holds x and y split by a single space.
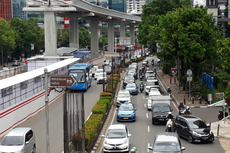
19 92
12 71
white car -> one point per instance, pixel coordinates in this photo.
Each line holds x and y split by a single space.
116 139
19 140
97 72
123 97
106 62
153 92
149 73
149 84
100 78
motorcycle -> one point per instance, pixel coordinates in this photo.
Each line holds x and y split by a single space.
147 68
181 111
142 88
221 115
169 126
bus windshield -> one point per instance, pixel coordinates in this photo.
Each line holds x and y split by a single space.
78 74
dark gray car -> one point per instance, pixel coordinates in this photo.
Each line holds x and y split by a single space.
128 79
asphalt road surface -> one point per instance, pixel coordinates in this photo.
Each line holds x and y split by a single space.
143 132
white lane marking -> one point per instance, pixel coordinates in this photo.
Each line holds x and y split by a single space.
148 147
143 97
145 105
147 116
148 129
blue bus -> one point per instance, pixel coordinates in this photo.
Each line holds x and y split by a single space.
81 73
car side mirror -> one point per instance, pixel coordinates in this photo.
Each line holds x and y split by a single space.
129 135
116 96
102 136
147 98
150 148
182 148
171 110
145 84
135 109
27 142
116 109
131 96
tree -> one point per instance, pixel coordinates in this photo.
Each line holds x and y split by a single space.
190 34
224 53
7 37
27 32
149 28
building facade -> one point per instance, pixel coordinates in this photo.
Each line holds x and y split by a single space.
135 6
17 9
118 5
6 9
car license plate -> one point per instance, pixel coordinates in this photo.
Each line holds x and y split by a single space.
204 138
125 118
114 147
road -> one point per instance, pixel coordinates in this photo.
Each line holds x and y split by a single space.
143 132
37 122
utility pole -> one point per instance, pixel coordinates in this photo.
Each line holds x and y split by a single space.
83 122
47 110
65 123
103 78
2 55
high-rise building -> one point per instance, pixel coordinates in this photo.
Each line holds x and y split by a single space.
118 5
135 6
17 9
6 9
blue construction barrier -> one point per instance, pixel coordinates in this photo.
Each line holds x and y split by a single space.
208 80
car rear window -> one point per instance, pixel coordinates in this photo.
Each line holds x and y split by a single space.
166 147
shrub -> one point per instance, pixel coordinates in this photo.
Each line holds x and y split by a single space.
77 141
105 102
105 94
99 109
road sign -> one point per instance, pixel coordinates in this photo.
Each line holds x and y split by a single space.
125 41
62 81
189 78
189 72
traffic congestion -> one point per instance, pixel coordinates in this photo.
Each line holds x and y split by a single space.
147 120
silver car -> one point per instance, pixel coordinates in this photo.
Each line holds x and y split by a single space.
100 78
123 97
19 140
97 72
117 139
149 84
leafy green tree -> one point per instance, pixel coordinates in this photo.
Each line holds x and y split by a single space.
149 29
190 34
224 53
7 37
27 32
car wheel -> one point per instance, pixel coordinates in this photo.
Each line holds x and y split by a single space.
153 122
175 130
34 149
190 139
211 139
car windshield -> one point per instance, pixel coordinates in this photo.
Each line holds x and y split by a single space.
123 94
149 73
101 75
131 86
154 90
132 70
198 124
166 147
161 109
94 69
99 71
126 108
150 83
115 133
151 78
129 78
13 141
154 95
79 76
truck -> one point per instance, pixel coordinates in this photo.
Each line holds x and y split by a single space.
160 106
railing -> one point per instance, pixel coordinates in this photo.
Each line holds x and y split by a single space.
12 71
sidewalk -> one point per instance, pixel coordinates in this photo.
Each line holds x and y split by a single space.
179 96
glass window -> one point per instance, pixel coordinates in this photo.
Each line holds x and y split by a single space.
166 147
131 86
160 109
13 141
126 108
116 133
198 124
129 78
123 94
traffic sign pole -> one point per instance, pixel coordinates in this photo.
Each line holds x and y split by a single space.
189 73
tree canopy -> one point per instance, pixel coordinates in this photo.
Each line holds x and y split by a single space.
190 34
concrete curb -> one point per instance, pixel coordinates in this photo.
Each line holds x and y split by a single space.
199 106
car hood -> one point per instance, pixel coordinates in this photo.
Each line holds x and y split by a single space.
160 113
201 131
123 99
10 148
115 141
147 87
125 112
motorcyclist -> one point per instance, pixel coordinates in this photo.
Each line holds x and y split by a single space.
181 106
170 116
133 150
170 121
187 111
141 84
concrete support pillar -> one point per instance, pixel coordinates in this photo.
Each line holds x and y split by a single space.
228 8
50 34
122 29
110 36
74 32
94 39
132 34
